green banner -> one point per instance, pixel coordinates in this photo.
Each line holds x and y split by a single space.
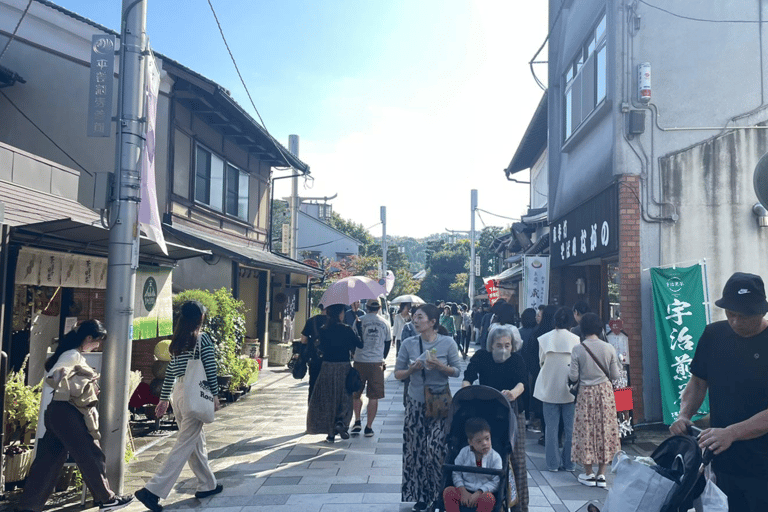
680 314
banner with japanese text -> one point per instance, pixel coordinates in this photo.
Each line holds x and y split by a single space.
535 281
680 313
492 289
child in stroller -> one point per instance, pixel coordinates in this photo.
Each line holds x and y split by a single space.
471 489
494 409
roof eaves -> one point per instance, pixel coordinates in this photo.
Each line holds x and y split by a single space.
533 143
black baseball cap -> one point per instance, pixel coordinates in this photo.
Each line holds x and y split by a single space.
745 294
373 304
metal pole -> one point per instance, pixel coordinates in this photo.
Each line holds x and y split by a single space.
123 242
384 242
472 269
293 147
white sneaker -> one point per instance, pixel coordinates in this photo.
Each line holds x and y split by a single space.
588 479
600 481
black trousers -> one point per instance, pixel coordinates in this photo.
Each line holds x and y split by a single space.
745 494
65 432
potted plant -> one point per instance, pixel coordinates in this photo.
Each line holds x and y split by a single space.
22 406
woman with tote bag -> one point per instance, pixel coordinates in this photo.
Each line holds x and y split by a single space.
189 348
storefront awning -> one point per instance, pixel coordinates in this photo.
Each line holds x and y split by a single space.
67 234
508 274
243 253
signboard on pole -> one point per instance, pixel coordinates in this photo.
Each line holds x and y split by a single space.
153 306
535 281
680 312
101 85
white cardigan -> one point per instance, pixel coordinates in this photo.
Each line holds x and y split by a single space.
555 349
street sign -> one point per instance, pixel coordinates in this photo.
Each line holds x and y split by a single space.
101 85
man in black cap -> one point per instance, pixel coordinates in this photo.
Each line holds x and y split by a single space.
731 361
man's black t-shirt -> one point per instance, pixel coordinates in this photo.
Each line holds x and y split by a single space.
736 371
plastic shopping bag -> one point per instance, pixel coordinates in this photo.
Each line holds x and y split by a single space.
711 500
637 487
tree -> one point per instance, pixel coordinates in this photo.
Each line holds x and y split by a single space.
488 258
443 268
356 231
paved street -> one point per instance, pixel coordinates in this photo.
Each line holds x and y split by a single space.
265 462
260 454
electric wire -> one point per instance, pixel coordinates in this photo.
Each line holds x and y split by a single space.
533 59
497 215
13 35
45 134
702 20
242 81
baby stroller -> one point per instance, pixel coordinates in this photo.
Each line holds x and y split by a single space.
680 465
487 403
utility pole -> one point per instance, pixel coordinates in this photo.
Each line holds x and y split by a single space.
293 147
384 242
472 265
123 241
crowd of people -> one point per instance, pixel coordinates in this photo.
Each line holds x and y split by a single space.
555 366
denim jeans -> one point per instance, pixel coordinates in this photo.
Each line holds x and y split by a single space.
552 415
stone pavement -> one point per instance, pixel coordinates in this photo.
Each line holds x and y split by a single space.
260 454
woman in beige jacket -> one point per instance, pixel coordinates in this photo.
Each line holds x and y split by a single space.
552 389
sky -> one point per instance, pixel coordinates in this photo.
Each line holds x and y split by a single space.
408 104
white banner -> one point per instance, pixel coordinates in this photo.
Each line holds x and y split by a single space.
149 214
38 267
535 281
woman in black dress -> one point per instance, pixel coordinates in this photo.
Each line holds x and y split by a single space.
501 367
330 406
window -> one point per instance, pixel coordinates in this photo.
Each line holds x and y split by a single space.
585 80
224 192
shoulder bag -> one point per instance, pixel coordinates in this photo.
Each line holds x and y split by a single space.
574 387
438 403
197 392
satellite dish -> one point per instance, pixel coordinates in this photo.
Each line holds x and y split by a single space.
760 180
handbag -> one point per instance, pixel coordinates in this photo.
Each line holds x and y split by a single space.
299 369
353 383
438 403
197 391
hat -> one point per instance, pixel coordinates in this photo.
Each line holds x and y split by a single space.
745 294
192 309
373 304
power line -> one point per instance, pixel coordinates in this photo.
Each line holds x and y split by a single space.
45 134
15 29
497 215
702 20
242 81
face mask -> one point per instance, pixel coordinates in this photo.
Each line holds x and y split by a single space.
500 354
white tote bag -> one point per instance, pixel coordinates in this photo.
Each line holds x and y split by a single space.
197 392
636 488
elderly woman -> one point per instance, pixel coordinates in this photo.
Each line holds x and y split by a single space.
555 349
502 367
596 433
428 359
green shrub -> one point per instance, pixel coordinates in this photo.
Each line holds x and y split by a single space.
225 323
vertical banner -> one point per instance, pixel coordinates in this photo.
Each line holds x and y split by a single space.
492 289
101 85
535 281
680 315
149 214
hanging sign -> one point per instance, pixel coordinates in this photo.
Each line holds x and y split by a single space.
101 85
535 281
39 267
680 314
589 231
492 289
152 312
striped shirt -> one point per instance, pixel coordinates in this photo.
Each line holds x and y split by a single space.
178 367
